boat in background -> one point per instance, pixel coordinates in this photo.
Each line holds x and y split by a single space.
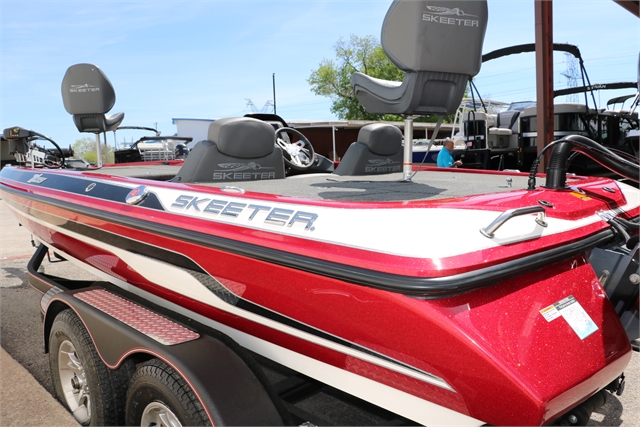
517 309
424 154
151 148
509 137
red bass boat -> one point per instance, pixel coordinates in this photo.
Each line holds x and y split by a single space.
255 254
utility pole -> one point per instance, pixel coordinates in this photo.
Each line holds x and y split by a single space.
274 93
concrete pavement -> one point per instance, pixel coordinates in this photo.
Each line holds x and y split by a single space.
23 401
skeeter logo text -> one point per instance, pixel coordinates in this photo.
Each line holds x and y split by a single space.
445 15
266 214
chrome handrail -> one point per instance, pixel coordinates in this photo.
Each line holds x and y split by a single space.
490 230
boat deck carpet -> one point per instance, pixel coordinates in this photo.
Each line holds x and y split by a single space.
425 185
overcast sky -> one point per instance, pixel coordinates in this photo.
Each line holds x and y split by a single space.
204 59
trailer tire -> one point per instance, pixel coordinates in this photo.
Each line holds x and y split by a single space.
158 394
93 393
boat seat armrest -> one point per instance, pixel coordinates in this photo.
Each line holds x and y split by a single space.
500 131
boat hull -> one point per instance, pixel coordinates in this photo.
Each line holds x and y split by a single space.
488 355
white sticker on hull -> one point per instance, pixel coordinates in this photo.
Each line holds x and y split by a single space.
575 315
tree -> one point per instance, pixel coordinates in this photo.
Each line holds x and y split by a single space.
85 148
333 77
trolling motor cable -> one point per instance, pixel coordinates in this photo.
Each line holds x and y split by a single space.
619 229
28 136
54 143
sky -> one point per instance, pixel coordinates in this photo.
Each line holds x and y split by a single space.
204 59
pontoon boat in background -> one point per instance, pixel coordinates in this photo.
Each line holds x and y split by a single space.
508 139
151 148
426 153
517 309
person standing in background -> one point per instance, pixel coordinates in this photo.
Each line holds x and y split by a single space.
445 157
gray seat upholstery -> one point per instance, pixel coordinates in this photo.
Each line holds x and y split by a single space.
236 149
378 150
506 123
508 119
438 45
88 95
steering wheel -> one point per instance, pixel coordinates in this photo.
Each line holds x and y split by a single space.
297 155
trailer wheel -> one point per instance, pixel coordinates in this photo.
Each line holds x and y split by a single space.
158 396
93 393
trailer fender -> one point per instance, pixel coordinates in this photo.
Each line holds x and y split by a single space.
226 387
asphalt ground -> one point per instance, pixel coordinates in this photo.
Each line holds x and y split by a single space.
25 384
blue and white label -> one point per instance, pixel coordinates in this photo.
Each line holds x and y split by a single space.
576 316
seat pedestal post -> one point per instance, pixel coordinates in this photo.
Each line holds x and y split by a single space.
407 161
98 151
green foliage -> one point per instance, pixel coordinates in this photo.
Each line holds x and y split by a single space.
333 77
85 148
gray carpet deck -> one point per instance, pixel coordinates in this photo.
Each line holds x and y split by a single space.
425 185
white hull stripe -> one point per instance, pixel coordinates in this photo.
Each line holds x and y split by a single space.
421 286
352 227
184 282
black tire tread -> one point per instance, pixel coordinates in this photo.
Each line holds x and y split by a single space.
108 391
176 385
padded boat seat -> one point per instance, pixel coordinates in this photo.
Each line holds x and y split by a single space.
88 95
507 123
479 116
420 93
500 131
236 149
439 49
378 150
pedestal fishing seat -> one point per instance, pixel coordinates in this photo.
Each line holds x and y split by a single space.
438 45
88 95
236 149
378 150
